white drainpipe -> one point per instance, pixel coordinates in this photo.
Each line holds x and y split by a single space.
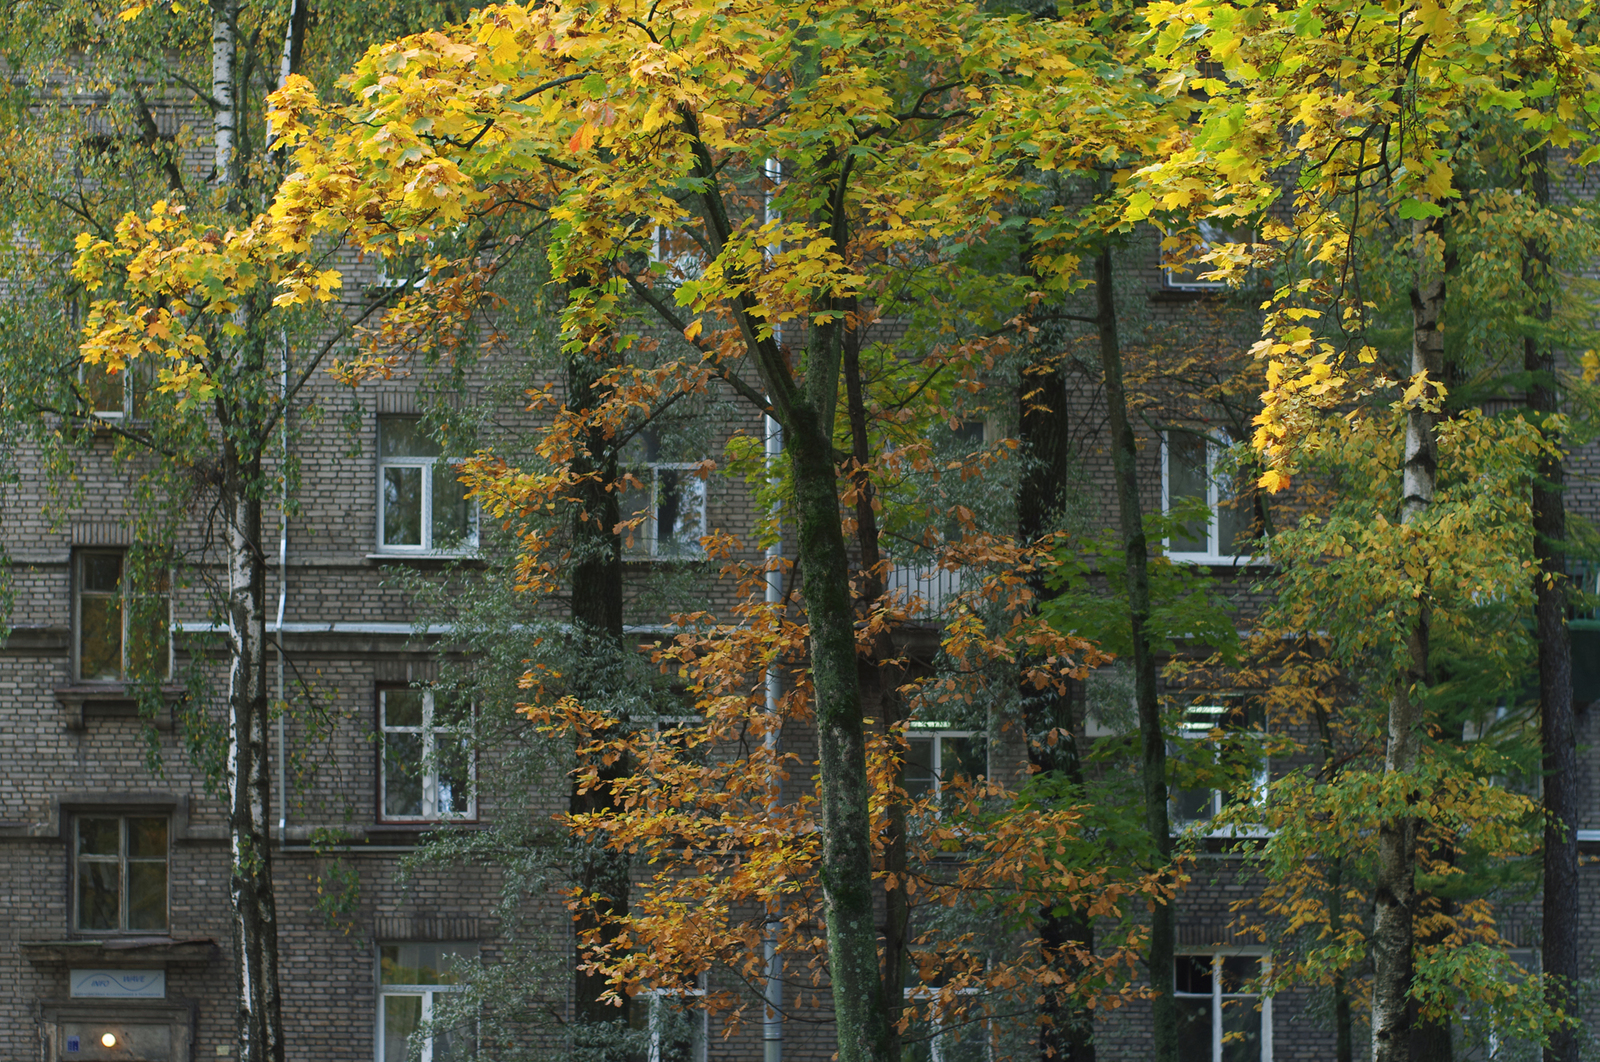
772 988
283 589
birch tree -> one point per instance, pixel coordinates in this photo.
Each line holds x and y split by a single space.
133 171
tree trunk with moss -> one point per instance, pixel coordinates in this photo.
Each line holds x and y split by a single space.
1136 556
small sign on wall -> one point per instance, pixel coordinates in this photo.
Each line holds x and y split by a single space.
118 984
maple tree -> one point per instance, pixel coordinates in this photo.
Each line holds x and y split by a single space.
1415 129
896 131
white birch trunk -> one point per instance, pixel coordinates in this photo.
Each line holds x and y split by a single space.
1393 926
258 1009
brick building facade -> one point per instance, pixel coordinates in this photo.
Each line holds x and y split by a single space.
113 878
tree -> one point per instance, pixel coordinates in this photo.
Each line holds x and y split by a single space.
1393 114
183 343
892 128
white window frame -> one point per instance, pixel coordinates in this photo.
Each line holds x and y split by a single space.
125 596
915 994
1217 995
124 378
655 1000
426 547
940 732
427 992
1217 443
430 762
645 538
1209 234
1208 717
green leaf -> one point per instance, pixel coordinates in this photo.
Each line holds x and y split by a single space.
1417 208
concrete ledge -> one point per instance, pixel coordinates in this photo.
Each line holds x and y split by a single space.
121 950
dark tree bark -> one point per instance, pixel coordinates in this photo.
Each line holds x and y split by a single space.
1560 921
1136 554
878 698
1344 1046
1067 1028
596 612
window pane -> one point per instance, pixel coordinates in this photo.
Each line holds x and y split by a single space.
959 758
677 1029
1233 521
1192 805
402 775
97 895
102 572
919 767
1194 1028
680 511
1241 1031
1238 970
100 637
453 1045
1192 974
401 1016
99 837
402 507
104 389
147 894
634 504
147 838
402 707
452 512
404 437
397 964
455 775
1186 480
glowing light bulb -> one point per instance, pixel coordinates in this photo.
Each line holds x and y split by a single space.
109 1039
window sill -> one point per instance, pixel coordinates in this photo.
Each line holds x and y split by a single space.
427 557
120 950
1212 561
109 700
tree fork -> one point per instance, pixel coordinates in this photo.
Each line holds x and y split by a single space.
1136 551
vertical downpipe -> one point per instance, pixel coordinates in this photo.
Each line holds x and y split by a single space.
772 988
283 589
772 1010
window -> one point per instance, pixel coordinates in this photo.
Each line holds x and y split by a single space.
113 639
121 871
427 768
422 506
667 499
1181 269
941 1039
936 754
1191 482
675 1021
1221 1017
1230 712
107 394
678 252
412 978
